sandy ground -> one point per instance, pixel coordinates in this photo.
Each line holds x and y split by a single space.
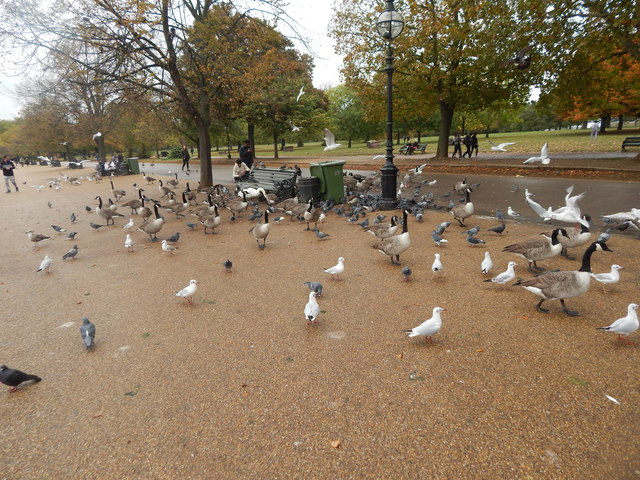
237 386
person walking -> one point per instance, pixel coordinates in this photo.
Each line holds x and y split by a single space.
467 144
474 143
185 158
7 169
246 153
594 131
457 145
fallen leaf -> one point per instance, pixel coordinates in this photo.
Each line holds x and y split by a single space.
335 444
96 415
400 356
479 350
525 317
92 265
78 303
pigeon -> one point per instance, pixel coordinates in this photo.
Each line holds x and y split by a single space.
191 226
321 235
45 264
543 158
336 270
625 325
88 333
438 239
608 278
300 93
499 214
312 309
521 60
487 263
58 229
512 213
49 204
129 225
506 276
73 251
95 226
227 264
473 241
88 208
128 243
71 235
188 291
604 236
315 287
501 146
429 327
406 273
174 238
436 266
13 378
330 140
497 229
73 218
168 248
472 231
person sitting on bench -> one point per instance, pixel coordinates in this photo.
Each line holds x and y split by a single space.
240 171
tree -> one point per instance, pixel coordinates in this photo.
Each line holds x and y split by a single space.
347 113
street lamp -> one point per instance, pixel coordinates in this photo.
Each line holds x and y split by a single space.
389 25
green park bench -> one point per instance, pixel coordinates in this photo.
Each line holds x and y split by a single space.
630 142
408 150
280 182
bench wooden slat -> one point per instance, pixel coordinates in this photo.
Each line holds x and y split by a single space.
273 180
630 142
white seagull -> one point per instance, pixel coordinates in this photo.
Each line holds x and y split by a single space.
330 140
487 263
543 158
129 225
312 309
506 276
429 327
436 266
45 265
188 291
625 325
609 277
300 93
336 269
128 243
294 128
512 213
168 248
500 147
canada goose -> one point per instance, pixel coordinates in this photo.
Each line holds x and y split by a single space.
237 205
563 284
461 186
211 221
537 248
205 210
625 325
152 227
428 327
112 206
105 213
608 278
180 207
148 179
143 211
117 193
174 182
261 230
191 195
312 309
134 204
397 244
285 204
460 212
576 236
311 214
384 230
164 190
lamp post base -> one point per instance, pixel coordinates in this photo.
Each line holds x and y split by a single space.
389 183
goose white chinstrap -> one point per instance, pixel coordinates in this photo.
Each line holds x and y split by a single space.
429 327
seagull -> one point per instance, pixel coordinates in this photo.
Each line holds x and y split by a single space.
608 278
168 248
436 266
429 327
512 213
13 378
487 263
336 270
96 136
406 273
88 333
45 264
128 243
330 140
506 276
312 309
294 128
300 93
543 158
315 287
73 251
227 264
188 291
58 229
500 147
35 237
129 225
625 325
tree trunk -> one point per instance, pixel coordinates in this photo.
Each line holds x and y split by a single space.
102 156
620 122
300 144
275 145
419 136
251 133
605 121
204 152
349 144
446 118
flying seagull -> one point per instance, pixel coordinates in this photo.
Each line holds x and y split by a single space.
300 93
543 158
500 147
330 140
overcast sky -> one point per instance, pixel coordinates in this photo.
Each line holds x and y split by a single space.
313 17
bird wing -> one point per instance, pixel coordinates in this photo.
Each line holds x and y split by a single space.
502 145
544 153
329 137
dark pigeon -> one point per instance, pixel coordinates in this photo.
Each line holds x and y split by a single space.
406 273
73 251
227 265
88 333
13 378
497 229
174 238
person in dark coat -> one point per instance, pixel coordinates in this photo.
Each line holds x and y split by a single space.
467 144
474 143
246 153
457 145
185 158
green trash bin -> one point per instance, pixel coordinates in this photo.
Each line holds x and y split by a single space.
134 166
331 179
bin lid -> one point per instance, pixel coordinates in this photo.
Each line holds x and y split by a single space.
328 164
133 158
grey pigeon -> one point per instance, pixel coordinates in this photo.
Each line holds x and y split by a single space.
379 218
472 241
95 226
88 333
58 229
321 235
174 238
73 251
191 226
604 236
472 231
406 273
497 229
12 377
88 208
314 287
50 205
499 215
364 224
438 239
227 264
71 235
73 218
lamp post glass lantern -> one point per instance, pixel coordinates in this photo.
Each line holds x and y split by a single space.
389 25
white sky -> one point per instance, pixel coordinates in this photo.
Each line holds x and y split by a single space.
312 16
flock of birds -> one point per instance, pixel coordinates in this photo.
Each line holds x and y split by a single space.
392 238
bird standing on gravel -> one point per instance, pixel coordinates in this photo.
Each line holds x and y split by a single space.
13 378
487 263
337 269
88 333
73 251
429 327
625 325
45 264
189 291
312 309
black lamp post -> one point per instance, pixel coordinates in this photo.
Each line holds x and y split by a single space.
390 24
